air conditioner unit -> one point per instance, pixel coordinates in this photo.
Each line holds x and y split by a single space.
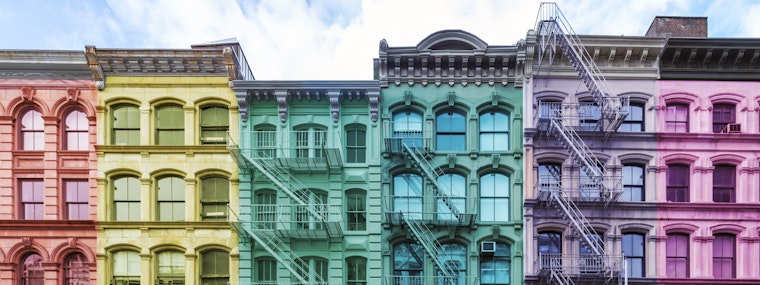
488 247
214 139
732 128
216 214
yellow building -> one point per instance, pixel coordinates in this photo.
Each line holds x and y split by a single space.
164 173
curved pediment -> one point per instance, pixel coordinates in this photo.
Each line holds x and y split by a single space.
452 40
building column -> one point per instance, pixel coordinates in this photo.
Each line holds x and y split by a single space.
190 272
51 272
146 276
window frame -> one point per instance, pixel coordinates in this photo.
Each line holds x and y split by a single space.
356 217
130 202
721 256
173 200
356 270
131 129
266 208
409 273
174 129
76 269
215 126
131 278
631 256
722 115
82 185
216 201
407 130
408 201
503 255
458 199
673 122
589 115
309 141
495 198
549 242
175 266
447 253
356 144
678 255
31 270
218 277
271 270
80 132
494 130
630 124
316 266
35 133
675 190
265 140
629 185
450 132
36 201
724 192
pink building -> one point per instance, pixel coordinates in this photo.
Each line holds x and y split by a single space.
708 150
47 161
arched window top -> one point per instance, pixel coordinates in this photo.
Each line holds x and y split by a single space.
31 120
680 228
265 127
679 98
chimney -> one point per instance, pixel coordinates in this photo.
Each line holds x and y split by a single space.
678 27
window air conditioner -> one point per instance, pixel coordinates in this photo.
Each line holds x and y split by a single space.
488 247
214 139
732 128
216 214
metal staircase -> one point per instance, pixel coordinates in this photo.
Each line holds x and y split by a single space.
419 155
564 120
425 237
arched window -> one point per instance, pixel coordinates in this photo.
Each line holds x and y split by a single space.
453 256
317 200
677 255
126 125
677 188
633 183
724 183
170 267
549 177
215 122
450 130
550 249
633 250
126 268
266 271
170 125
32 272
215 265
634 122
356 270
215 195
452 198
310 141
265 209
76 131
677 118
408 263
408 195
494 131
723 114
494 197
494 267
76 270
589 114
316 267
407 129
32 130
171 199
356 144
265 141
356 210
126 199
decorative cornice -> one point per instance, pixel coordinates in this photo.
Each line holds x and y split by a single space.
152 62
713 59
43 64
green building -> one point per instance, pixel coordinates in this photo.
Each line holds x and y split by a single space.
451 117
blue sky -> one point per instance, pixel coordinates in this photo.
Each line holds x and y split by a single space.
332 39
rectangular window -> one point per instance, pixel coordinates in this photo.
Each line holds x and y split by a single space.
126 199
633 250
633 183
724 182
214 125
494 131
724 251
550 250
494 269
723 114
589 114
214 198
265 143
634 122
450 131
126 268
677 183
266 271
356 212
170 125
677 256
171 268
310 142
77 197
677 118
126 125
171 199
356 146
32 194
215 266
356 272
494 197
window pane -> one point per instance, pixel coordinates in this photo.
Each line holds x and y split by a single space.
450 128
32 195
633 183
170 125
77 193
76 270
634 122
494 197
126 125
633 250
677 254
214 125
32 272
356 146
32 131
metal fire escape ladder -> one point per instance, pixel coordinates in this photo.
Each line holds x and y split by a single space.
425 237
562 279
419 155
285 256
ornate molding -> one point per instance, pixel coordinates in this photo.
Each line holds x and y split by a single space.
27 93
98 75
334 97
282 104
374 101
243 99
72 94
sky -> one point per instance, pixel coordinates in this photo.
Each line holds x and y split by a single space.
331 39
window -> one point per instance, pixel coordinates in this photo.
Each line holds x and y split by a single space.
316 267
494 197
724 183
634 122
450 131
76 131
407 126
76 270
32 131
633 183
171 267
494 131
310 142
678 183
77 196
356 270
723 114
126 125
591 189
265 141
589 114
633 250
590 261
452 198
214 198
677 256
408 263
170 125
126 268
316 203
356 145
171 199
407 195
126 199
356 210
677 118
265 209
215 266
215 122
550 250
550 109
266 271
453 256
494 269
32 194
724 251
32 272
549 177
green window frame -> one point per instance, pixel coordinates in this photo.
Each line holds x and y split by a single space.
126 199
266 271
494 131
126 125
170 268
170 125
215 123
356 210
126 268
356 270
171 199
265 140
265 209
215 266
215 195
316 268
310 142
356 145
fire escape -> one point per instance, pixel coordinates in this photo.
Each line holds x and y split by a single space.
277 156
596 186
443 210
